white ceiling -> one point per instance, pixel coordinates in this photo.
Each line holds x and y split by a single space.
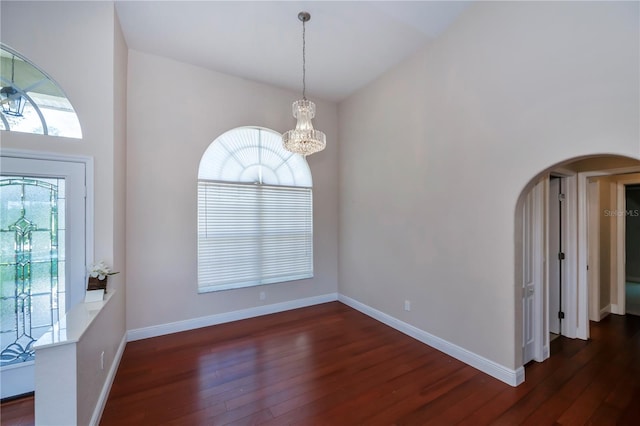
349 43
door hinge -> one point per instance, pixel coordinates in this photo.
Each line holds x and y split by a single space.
560 256
561 197
560 315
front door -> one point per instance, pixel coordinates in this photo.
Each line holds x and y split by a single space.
42 257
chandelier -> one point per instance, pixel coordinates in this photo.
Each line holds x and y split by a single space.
304 139
12 100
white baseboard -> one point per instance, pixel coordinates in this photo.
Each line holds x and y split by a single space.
545 355
500 372
190 324
106 388
605 311
615 309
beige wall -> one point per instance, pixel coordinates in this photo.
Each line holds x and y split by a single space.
75 43
175 112
511 89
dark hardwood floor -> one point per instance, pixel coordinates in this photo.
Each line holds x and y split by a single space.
18 412
331 365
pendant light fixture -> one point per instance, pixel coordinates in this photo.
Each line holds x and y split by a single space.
12 101
304 139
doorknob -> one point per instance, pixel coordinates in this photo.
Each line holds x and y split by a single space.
530 291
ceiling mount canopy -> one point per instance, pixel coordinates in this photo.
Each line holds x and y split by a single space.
304 139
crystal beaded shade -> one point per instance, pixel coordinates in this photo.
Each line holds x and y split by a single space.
304 139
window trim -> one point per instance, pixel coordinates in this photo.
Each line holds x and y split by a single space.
24 91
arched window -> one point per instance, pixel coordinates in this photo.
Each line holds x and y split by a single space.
31 102
255 212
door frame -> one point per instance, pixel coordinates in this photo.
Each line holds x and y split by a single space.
13 376
570 306
621 246
541 318
582 239
593 248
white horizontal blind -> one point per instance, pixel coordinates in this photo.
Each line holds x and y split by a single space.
253 234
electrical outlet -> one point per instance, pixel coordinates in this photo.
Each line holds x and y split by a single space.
102 361
263 295
407 305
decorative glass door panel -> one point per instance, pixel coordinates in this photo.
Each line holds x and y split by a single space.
32 262
42 257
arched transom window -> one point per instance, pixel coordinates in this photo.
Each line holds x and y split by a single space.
31 102
255 212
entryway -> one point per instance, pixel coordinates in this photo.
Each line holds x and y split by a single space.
558 262
42 257
614 252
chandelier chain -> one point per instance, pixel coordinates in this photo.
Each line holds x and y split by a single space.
304 62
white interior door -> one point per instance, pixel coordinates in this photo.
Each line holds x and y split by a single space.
554 250
532 273
42 257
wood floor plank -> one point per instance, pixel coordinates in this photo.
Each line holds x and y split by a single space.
404 389
347 386
573 390
631 413
452 407
298 384
331 365
579 361
415 402
18 412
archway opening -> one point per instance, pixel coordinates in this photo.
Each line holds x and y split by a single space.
570 250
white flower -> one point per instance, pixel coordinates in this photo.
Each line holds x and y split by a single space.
100 270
